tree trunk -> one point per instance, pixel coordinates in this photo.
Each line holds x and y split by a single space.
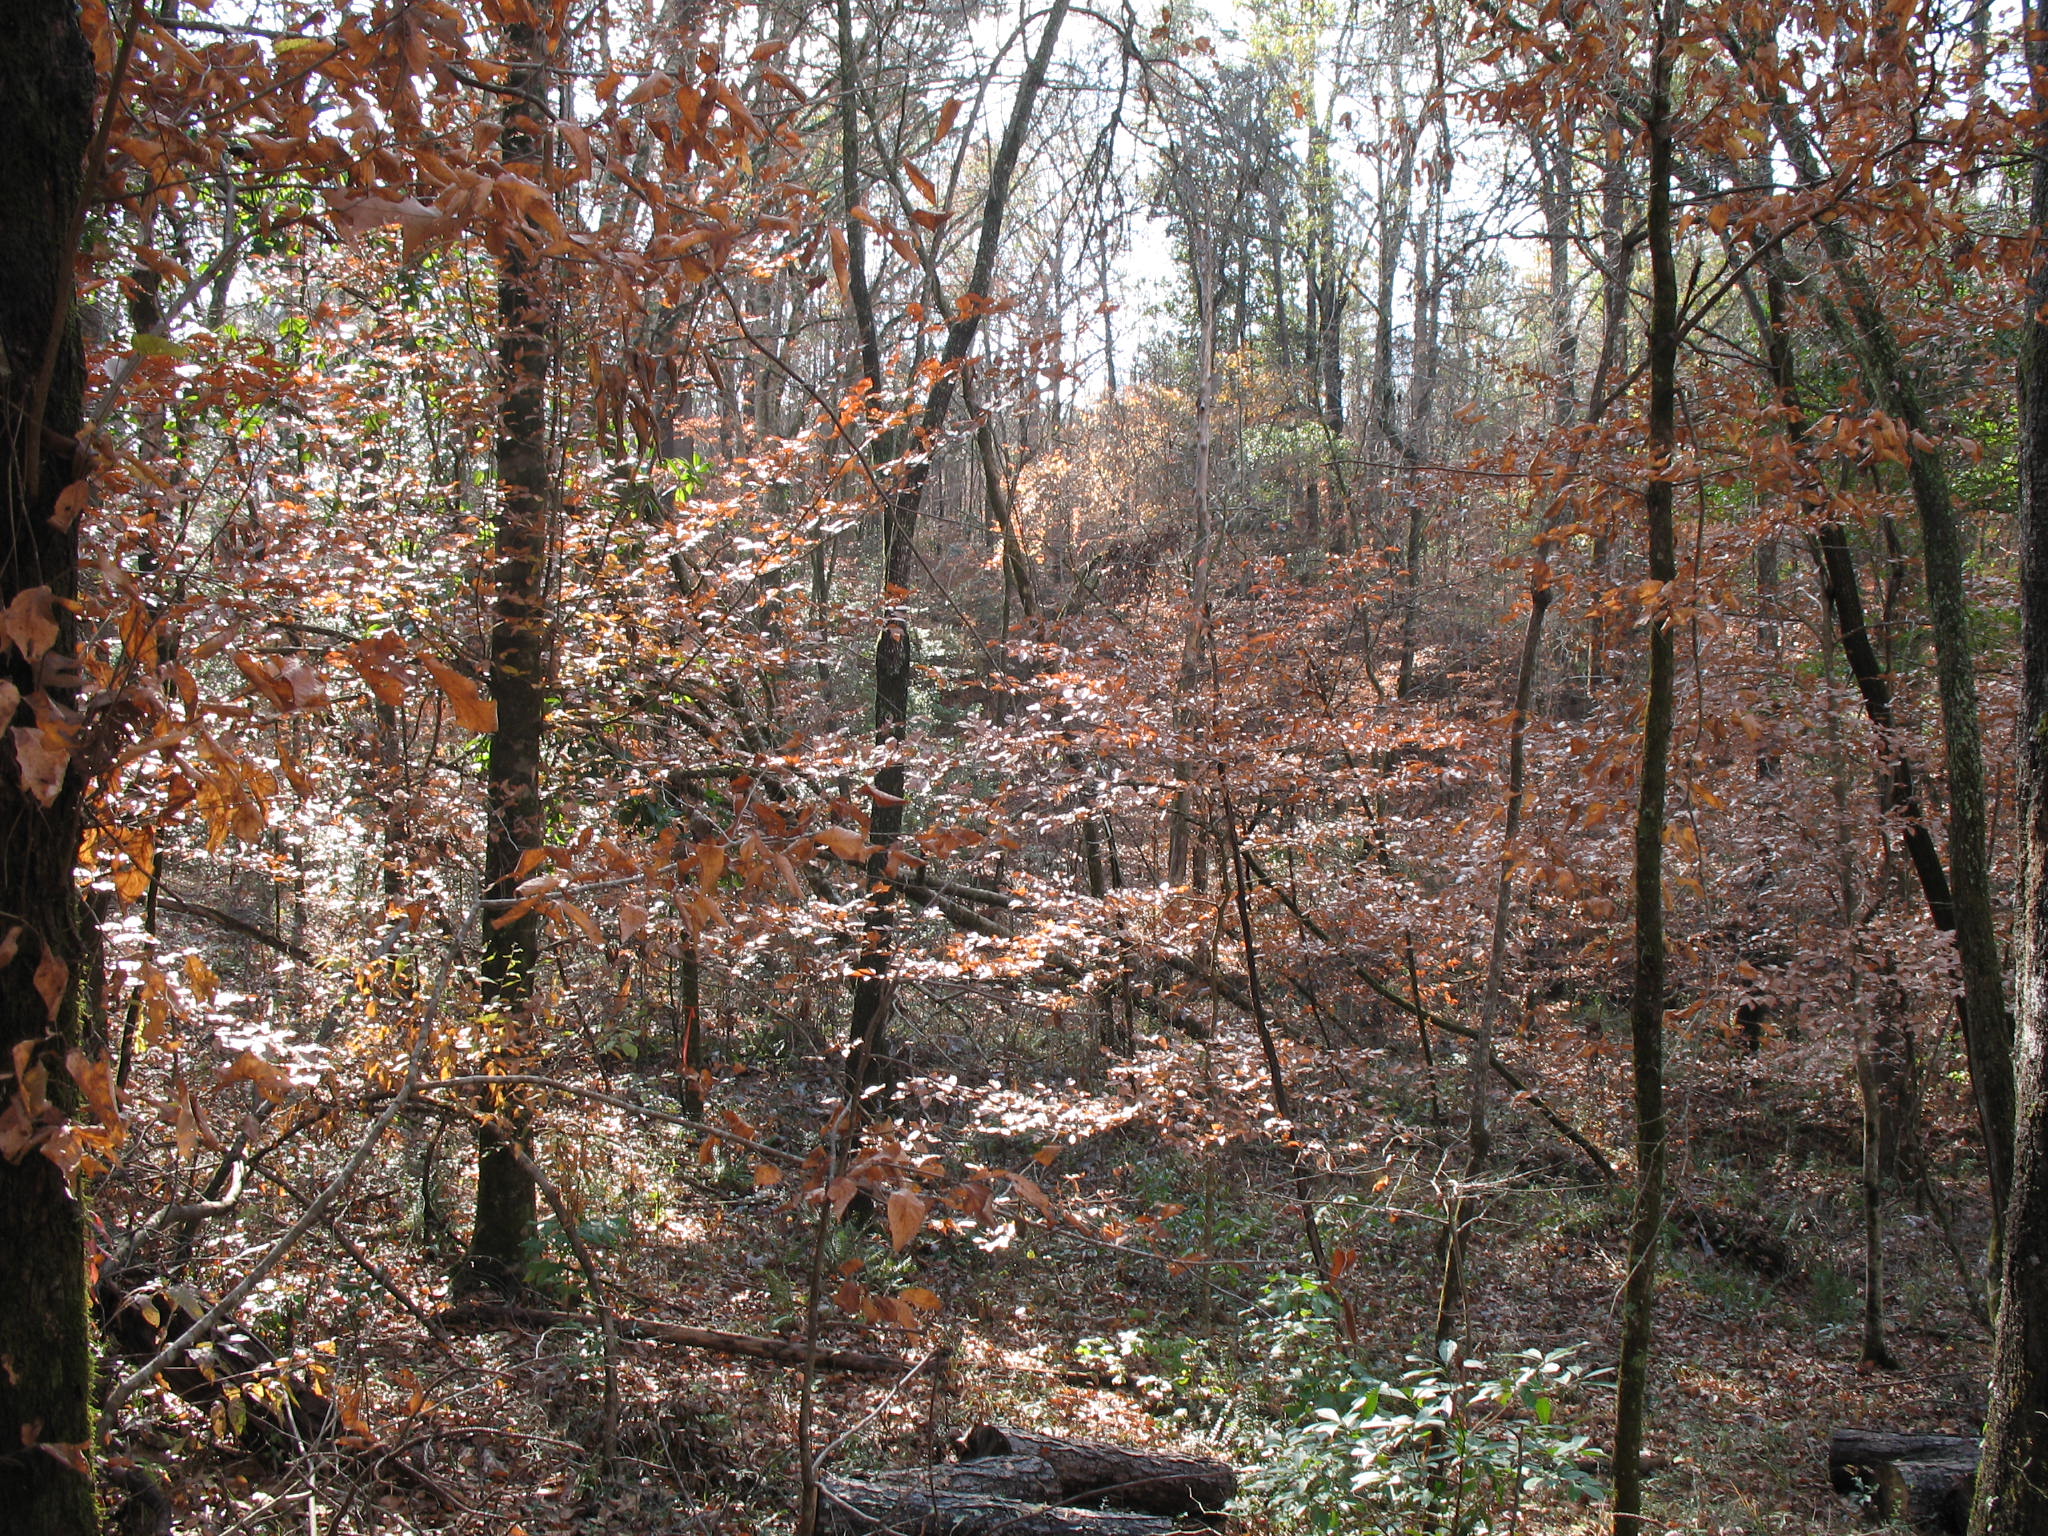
2012 1485
1892 385
505 1196
1180 835
866 1053
1646 1002
46 101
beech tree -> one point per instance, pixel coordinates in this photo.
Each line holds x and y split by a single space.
47 1022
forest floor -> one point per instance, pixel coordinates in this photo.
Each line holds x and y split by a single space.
1758 1326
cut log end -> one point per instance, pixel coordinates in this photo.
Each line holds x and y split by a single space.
1924 1481
1927 1495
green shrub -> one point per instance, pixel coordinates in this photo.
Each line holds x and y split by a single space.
1451 1448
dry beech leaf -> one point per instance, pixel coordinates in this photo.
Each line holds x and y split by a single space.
31 621
473 712
660 83
922 1299
95 1080
53 977
70 502
42 763
843 841
906 1218
766 1174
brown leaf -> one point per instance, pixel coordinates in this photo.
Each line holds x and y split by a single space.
660 83
31 621
70 502
922 1299
906 1218
766 1174
42 761
632 920
843 841
53 978
95 1080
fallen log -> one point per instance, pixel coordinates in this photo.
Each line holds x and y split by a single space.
488 1315
1155 1482
1856 1457
1928 1495
917 1504
1024 1479
273 1411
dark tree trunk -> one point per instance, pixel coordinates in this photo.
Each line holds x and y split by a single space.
866 1054
1867 336
46 101
505 1198
1646 1002
2012 1487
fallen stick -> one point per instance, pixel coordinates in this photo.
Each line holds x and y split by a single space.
715 1340
1507 1074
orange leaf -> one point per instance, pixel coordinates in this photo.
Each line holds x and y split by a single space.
844 841
766 1174
947 114
70 502
473 712
924 1300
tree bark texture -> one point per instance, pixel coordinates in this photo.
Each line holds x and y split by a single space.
1646 1002
46 121
1855 1456
505 1198
911 1504
2012 1487
1157 1482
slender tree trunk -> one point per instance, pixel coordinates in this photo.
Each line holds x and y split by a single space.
1875 1352
1646 1001
46 119
866 1053
1180 834
2012 1478
1617 257
1478 1132
1866 335
505 1194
